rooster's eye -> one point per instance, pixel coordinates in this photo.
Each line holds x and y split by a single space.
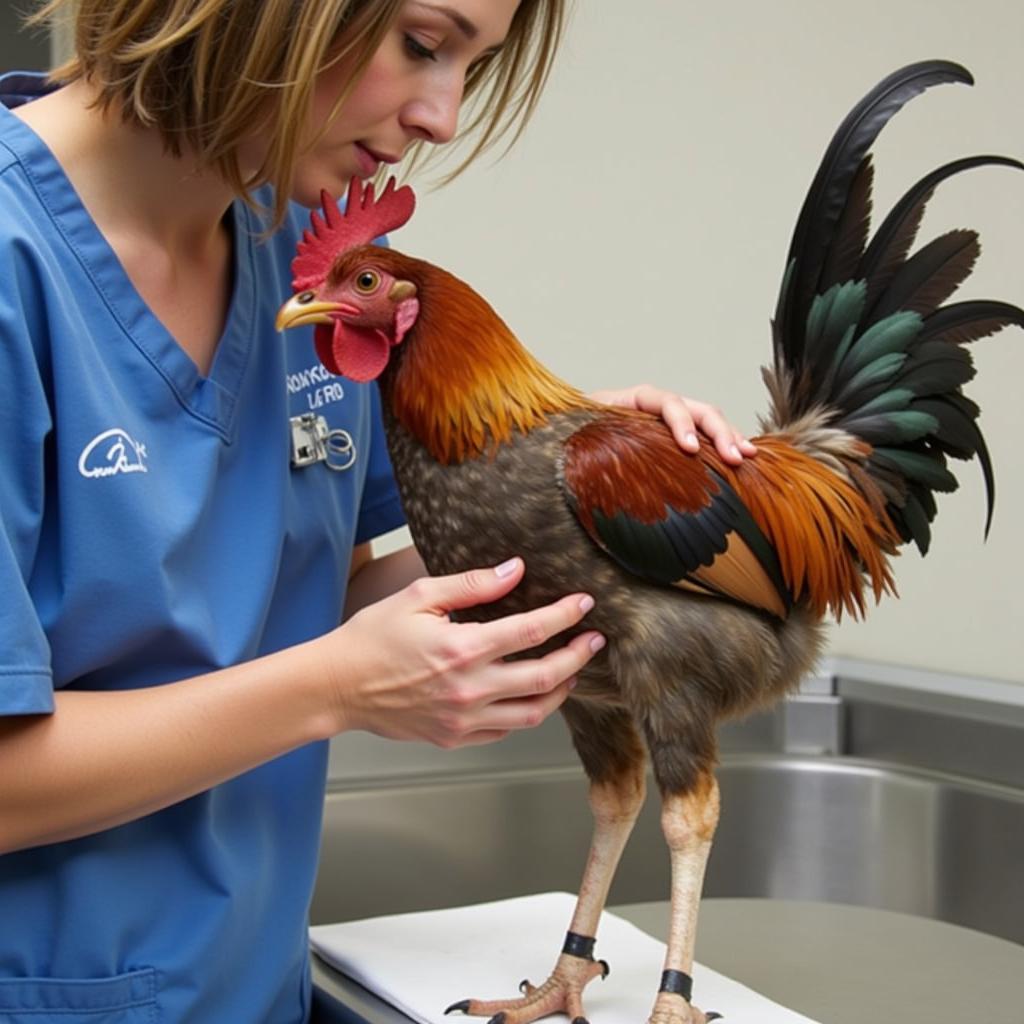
368 281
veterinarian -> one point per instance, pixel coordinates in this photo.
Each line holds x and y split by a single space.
187 502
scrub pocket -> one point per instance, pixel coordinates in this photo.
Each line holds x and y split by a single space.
124 999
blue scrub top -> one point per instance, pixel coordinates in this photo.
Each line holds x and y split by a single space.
151 529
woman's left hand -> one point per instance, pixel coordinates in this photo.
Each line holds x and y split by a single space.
684 416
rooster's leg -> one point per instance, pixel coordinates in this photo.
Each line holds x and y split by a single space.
688 821
616 796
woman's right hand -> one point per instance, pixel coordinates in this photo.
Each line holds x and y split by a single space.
406 671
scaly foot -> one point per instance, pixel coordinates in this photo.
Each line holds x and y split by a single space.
561 993
670 1008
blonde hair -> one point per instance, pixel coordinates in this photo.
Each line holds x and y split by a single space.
207 74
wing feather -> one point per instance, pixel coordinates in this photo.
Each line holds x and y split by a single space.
666 516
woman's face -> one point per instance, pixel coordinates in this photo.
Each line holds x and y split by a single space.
411 91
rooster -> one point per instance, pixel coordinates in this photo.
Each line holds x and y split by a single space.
711 580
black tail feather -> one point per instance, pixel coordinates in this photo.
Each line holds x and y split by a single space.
929 277
895 236
964 322
861 335
829 192
852 231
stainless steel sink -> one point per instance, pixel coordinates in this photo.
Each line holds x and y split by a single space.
872 834
839 829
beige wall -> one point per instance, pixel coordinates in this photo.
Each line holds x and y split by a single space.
638 234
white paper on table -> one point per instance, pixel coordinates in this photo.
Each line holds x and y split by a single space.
421 963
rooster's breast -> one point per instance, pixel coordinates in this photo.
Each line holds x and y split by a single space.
508 502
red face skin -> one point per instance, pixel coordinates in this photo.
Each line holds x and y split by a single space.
360 318
411 91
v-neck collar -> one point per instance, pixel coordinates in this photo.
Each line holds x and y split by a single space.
210 398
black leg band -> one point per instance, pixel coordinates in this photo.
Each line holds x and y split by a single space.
678 982
579 945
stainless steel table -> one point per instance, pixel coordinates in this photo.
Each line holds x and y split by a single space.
836 964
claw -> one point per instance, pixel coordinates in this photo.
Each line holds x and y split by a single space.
711 1015
605 971
560 994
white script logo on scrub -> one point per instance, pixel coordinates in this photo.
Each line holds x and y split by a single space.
114 451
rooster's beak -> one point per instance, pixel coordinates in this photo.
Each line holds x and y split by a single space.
301 309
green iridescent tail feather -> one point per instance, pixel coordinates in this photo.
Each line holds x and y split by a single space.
864 346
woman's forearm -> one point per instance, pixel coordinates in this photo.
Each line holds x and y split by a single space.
104 758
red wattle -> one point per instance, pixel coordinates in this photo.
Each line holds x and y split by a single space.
352 352
323 336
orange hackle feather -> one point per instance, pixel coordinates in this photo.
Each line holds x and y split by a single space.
468 385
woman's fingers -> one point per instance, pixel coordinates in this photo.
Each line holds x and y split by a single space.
679 413
729 442
532 690
526 630
513 695
511 634
478 739
538 677
427 677
442 594
685 417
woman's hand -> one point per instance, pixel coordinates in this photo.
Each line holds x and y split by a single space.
684 416
402 669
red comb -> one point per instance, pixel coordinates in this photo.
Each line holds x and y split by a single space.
335 232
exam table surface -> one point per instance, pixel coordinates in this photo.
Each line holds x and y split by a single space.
835 964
